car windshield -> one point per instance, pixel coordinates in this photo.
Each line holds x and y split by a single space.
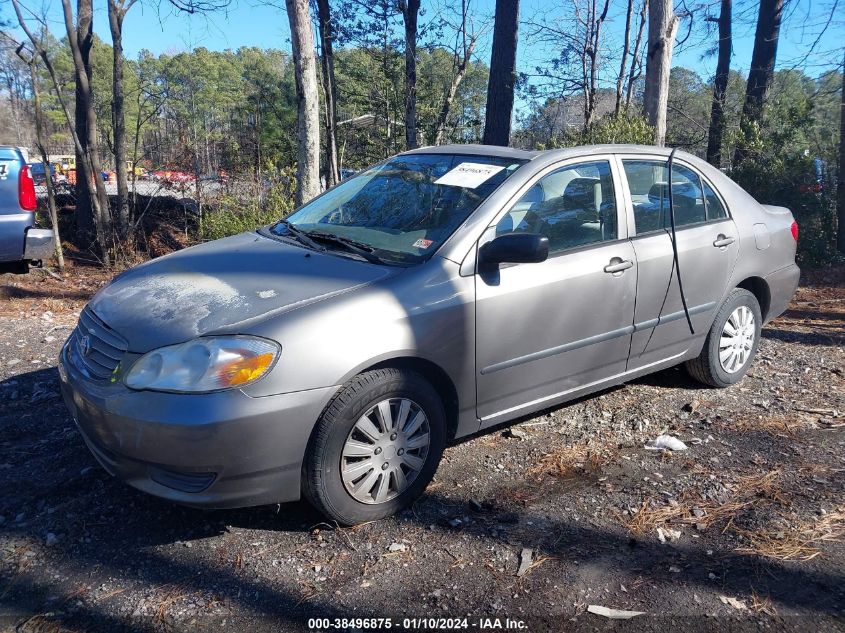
402 210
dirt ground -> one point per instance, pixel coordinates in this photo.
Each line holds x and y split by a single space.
530 524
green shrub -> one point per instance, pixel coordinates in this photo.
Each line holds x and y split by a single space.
624 128
247 206
788 181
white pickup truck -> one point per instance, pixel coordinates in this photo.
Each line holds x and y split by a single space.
22 243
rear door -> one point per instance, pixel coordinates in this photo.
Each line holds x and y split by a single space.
13 220
546 329
708 245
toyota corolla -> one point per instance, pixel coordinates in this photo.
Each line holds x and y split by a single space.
441 292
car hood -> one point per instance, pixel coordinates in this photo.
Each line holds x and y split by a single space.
215 286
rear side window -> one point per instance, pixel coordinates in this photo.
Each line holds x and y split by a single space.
715 208
572 206
648 180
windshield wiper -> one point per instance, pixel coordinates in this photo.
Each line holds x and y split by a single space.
359 248
301 236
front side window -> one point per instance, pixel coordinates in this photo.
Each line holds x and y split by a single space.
572 206
647 180
402 210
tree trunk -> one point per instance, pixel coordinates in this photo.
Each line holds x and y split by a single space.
42 149
762 70
500 87
324 18
662 27
626 45
410 13
116 15
80 39
840 234
636 64
307 97
720 87
86 219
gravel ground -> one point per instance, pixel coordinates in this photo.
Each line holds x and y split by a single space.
534 522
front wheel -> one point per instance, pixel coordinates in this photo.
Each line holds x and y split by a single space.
376 446
731 343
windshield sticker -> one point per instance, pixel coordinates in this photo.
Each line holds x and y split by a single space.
468 175
422 243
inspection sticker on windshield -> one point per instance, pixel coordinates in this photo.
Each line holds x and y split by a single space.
422 243
468 175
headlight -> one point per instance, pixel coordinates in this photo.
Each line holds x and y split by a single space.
204 364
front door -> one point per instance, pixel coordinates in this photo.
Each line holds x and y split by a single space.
546 329
708 245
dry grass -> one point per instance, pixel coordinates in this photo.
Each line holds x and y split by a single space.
574 459
762 605
522 496
747 491
801 542
780 425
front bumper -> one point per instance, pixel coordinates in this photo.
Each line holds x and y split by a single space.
782 286
218 450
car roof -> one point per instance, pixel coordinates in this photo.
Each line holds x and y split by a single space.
476 150
565 152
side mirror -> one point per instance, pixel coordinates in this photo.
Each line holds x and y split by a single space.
515 248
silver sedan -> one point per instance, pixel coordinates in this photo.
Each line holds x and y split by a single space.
441 292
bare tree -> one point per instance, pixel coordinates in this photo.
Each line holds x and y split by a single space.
464 48
590 56
500 87
87 153
762 71
410 13
32 62
308 102
720 86
327 35
623 65
636 60
662 28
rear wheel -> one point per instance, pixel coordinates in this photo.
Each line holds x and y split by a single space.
376 447
731 343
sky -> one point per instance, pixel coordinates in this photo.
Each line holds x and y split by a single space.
156 26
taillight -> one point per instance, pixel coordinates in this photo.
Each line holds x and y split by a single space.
794 229
26 190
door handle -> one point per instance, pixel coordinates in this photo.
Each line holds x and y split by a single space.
617 265
722 241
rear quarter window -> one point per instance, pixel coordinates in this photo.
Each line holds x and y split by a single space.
715 208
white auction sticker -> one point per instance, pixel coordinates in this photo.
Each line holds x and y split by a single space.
468 175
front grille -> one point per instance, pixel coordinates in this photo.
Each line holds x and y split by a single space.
97 349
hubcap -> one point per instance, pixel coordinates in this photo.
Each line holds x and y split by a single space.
385 450
737 340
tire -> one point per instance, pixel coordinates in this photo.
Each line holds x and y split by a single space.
343 475
709 368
